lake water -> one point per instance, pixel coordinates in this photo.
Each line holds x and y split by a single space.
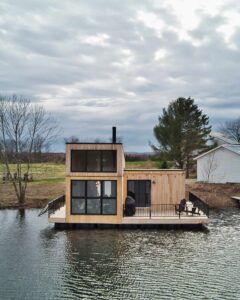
38 262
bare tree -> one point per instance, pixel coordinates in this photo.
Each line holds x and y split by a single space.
231 129
71 139
209 167
22 125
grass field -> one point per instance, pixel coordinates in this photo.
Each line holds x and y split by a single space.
48 183
143 164
42 172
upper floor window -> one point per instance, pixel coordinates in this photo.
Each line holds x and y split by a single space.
93 161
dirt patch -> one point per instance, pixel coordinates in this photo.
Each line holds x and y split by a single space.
38 195
216 195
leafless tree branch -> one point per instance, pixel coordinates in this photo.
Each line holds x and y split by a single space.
23 127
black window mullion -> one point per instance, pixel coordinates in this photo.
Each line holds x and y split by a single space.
85 197
101 195
86 160
101 161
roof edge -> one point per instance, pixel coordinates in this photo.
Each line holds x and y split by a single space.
91 143
153 170
225 146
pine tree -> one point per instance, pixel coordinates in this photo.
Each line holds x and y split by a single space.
182 132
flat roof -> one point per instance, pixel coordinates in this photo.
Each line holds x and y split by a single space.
152 170
91 143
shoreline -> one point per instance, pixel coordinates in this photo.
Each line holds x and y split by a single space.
215 195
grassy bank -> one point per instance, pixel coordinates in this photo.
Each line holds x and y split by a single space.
217 195
48 183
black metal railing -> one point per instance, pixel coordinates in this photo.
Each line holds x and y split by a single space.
56 204
197 202
53 205
154 210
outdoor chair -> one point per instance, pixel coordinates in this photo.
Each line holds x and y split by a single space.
183 207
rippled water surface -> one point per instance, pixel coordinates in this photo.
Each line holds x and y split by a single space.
37 262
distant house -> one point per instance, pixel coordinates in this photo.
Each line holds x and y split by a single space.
220 165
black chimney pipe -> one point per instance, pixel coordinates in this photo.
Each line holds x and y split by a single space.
114 135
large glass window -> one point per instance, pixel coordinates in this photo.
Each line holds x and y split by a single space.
93 188
108 206
94 206
78 188
97 197
93 161
109 161
78 206
78 160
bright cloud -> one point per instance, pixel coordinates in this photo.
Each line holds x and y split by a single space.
95 64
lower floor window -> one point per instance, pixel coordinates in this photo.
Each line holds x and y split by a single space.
94 197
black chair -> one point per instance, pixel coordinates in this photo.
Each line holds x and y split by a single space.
182 206
130 206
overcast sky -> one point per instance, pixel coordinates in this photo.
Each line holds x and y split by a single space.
95 64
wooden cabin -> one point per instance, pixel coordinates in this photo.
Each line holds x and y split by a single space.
98 184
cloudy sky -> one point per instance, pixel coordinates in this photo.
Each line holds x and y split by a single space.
98 63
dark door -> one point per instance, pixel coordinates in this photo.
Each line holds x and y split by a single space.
140 190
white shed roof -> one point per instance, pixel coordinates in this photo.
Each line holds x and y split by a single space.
219 136
234 148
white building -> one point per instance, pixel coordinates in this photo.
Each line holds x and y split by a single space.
220 139
220 165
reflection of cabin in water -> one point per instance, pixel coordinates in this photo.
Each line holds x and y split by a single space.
97 185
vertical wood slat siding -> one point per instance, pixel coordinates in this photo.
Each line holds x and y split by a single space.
169 187
118 176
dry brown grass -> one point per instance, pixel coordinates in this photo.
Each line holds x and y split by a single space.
217 195
37 194
48 184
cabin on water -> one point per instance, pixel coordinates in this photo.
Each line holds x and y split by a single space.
100 190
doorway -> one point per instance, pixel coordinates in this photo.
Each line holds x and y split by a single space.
140 190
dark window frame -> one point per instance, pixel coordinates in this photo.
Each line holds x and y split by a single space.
147 204
101 197
86 161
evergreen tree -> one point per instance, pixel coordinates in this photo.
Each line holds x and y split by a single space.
182 132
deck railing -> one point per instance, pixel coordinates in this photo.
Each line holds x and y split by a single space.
56 204
53 205
155 210
197 202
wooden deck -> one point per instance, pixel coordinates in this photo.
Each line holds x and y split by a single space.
59 216
170 217
237 199
167 220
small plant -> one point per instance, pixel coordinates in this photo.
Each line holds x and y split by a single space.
164 165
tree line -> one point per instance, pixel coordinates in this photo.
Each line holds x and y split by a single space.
26 129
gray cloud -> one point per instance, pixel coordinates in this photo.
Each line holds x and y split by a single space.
99 63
